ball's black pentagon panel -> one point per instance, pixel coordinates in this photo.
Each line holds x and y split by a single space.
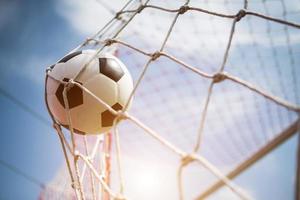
110 68
107 118
74 129
74 95
52 66
68 57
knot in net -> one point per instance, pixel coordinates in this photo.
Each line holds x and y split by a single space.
242 13
183 9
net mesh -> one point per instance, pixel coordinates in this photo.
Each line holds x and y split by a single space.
214 83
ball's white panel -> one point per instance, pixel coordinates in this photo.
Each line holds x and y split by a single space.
91 70
102 87
125 87
58 71
71 68
89 51
75 64
86 118
51 86
56 109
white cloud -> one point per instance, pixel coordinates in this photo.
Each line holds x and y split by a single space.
87 17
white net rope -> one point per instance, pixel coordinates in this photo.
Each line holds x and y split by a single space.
211 85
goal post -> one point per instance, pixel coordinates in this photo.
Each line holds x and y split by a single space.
203 91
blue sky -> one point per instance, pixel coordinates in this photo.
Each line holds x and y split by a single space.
33 35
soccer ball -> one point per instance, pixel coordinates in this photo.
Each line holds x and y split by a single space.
105 76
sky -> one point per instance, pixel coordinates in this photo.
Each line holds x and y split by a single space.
33 35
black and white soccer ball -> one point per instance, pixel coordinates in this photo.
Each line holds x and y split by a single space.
106 77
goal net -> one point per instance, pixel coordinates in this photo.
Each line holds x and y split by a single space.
216 88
